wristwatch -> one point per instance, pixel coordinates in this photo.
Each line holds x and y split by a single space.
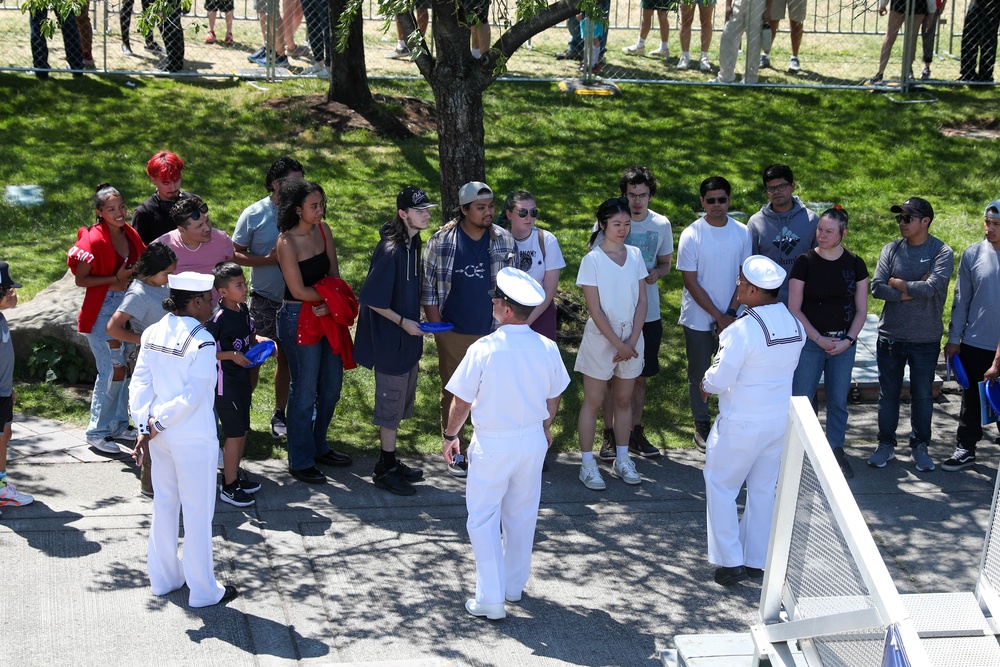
850 339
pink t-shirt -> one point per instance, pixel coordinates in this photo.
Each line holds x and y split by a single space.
218 249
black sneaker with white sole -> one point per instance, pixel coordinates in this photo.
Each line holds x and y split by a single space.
961 459
607 452
237 496
459 467
278 428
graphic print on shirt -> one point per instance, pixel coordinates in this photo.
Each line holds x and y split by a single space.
473 271
785 241
525 258
850 284
647 243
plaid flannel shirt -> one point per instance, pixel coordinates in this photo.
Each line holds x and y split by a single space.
439 258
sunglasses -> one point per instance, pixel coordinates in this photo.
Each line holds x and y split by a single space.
712 200
903 219
616 202
196 214
525 212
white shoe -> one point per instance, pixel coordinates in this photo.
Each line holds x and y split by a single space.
318 70
591 476
793 64
512 597
398 54
719 79
625 470
11 496
765 60
705 65
128 435
494 612
660 52
106 444
634 50
684 61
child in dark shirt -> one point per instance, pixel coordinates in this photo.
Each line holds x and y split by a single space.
234 334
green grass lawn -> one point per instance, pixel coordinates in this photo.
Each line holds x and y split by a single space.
857 149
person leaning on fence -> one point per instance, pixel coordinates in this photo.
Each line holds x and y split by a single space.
912 278
974 332
752 374
40 46
512 419
897 17
388 338
8 398
152 218
706 10
828 293
171 400
979 40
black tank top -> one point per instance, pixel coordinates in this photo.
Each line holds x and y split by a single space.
313 269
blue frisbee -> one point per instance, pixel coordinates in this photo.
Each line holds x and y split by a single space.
259 353
436 327
959 370
993 395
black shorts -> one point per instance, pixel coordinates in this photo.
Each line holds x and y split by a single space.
6 410
219 5
233 408
652 336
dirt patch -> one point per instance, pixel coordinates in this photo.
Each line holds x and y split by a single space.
395 117
973 129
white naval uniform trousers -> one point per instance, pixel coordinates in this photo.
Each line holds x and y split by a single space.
174 384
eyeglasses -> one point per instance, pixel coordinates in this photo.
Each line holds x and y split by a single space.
525 212
904 219
637 196
196 214
772 189
712 200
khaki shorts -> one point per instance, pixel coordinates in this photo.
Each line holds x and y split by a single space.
796 10
596 355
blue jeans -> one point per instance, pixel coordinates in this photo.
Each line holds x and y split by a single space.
892 357
109 402
316 378
836 371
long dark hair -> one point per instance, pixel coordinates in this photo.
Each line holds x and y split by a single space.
608 208
293 193
155 258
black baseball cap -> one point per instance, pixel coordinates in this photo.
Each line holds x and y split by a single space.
413 197
5 279
915 206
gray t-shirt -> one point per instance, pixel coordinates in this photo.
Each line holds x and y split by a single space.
144 304
6 359
257 230
926 268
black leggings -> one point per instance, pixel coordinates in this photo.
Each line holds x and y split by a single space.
125 19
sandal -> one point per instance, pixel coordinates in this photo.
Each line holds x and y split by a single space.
210 37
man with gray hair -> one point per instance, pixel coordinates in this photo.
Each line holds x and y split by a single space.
752 374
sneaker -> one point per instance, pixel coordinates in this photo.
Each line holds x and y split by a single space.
106 444
459 466
281 61
398 54
875 80
962 458
11 496
127 50
256 54
926 74
278 428
625 470
237 497
130 434
249 485
684 61
921 459
392 481
210 37
765 60
719 79
660 52
883 454
634 50
591 476
701 431
410 474
318 70
704 65
638 444
793 64
153 47
583 68
259 59
300 51
229 39
607 452
569 54
845 465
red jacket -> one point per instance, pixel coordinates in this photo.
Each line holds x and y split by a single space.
94 246
343 305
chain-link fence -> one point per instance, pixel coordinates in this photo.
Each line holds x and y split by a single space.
830 42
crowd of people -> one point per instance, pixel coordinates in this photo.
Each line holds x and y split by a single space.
768 309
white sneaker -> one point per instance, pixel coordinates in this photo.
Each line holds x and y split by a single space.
634 50
11 496
705 65
660 52
719 79
625 470
128 435
494 612
793 64
106 444
318 70
684 61
765 60
398 54
591 476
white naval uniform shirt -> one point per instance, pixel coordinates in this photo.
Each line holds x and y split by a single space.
508 376
174 378
752 372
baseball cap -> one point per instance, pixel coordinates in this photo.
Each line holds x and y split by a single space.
517 286
413 197
763 272
474 191
995 204
190 281
915 206
5 279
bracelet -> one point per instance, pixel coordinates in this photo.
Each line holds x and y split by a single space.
400 321
450 437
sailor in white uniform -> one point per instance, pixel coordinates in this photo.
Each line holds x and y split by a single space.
511 380
171 401
752 374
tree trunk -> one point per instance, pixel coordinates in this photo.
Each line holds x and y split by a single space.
348 72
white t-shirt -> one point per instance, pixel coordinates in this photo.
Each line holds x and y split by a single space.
529 255
654 238
617 286
716 254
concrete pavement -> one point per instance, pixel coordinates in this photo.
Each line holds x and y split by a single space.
345 573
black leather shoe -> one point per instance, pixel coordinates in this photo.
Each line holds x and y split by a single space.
310 475
229 595
754 572
728 576
335 459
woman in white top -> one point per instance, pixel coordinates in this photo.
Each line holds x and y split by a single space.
612 276
538 255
